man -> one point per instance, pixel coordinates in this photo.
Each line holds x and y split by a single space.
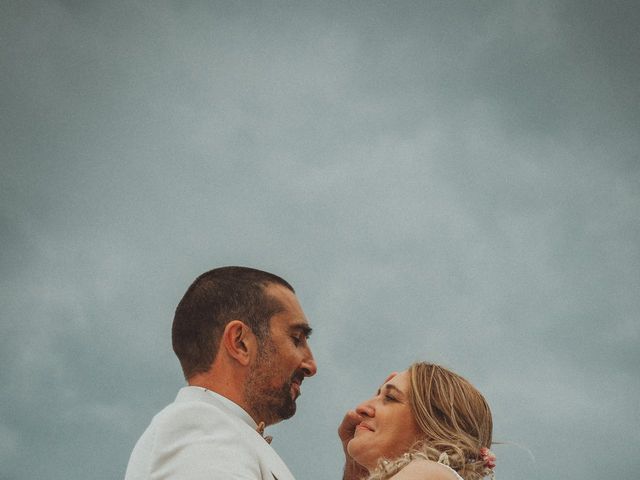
241 338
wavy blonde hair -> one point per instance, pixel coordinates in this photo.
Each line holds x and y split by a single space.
454 418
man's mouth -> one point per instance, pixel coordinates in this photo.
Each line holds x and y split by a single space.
296 384
296 388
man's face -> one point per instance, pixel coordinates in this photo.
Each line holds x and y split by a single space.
285 359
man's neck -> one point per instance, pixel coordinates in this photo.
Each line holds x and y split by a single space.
224 387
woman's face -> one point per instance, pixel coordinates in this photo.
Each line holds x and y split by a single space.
388 428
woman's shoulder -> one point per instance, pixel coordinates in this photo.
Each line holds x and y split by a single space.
421 469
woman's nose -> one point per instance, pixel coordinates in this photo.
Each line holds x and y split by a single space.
366 409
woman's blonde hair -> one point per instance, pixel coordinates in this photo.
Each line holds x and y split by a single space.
454 418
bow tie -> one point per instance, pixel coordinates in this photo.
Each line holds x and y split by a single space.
260 430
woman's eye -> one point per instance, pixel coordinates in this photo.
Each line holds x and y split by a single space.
389 398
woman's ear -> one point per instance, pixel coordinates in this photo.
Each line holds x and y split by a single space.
239 341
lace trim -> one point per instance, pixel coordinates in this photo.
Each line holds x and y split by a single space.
387 468
390 468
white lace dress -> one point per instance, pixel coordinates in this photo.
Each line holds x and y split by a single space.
451 469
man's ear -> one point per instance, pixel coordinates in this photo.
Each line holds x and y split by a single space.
239 341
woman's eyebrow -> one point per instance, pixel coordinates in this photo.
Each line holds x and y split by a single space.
390 386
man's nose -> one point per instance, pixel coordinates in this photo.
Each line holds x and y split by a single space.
309 365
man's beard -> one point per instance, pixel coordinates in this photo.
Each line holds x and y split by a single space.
269 404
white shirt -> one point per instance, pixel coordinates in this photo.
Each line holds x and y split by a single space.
204 436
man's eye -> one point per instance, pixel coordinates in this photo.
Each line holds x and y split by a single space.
296 341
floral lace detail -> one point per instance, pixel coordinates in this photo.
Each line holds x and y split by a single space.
443 460
387 468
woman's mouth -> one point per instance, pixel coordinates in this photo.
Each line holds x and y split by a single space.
363 427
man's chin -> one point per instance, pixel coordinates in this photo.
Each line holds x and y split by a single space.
288 410
280 405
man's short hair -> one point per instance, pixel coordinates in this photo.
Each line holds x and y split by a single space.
213 300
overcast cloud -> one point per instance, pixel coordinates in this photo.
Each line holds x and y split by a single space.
448 181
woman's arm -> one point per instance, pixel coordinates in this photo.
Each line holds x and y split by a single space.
352 470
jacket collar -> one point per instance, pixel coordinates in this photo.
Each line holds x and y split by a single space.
191 393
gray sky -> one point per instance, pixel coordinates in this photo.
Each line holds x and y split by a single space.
448 181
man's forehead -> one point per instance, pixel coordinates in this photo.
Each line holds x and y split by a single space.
289 314
291 323
280 293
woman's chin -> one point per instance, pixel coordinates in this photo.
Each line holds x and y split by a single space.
368 466
359 454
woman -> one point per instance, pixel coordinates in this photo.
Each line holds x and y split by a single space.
426 423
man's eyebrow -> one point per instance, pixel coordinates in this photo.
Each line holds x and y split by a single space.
302 327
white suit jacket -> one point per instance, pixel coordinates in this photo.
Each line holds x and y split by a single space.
204 436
